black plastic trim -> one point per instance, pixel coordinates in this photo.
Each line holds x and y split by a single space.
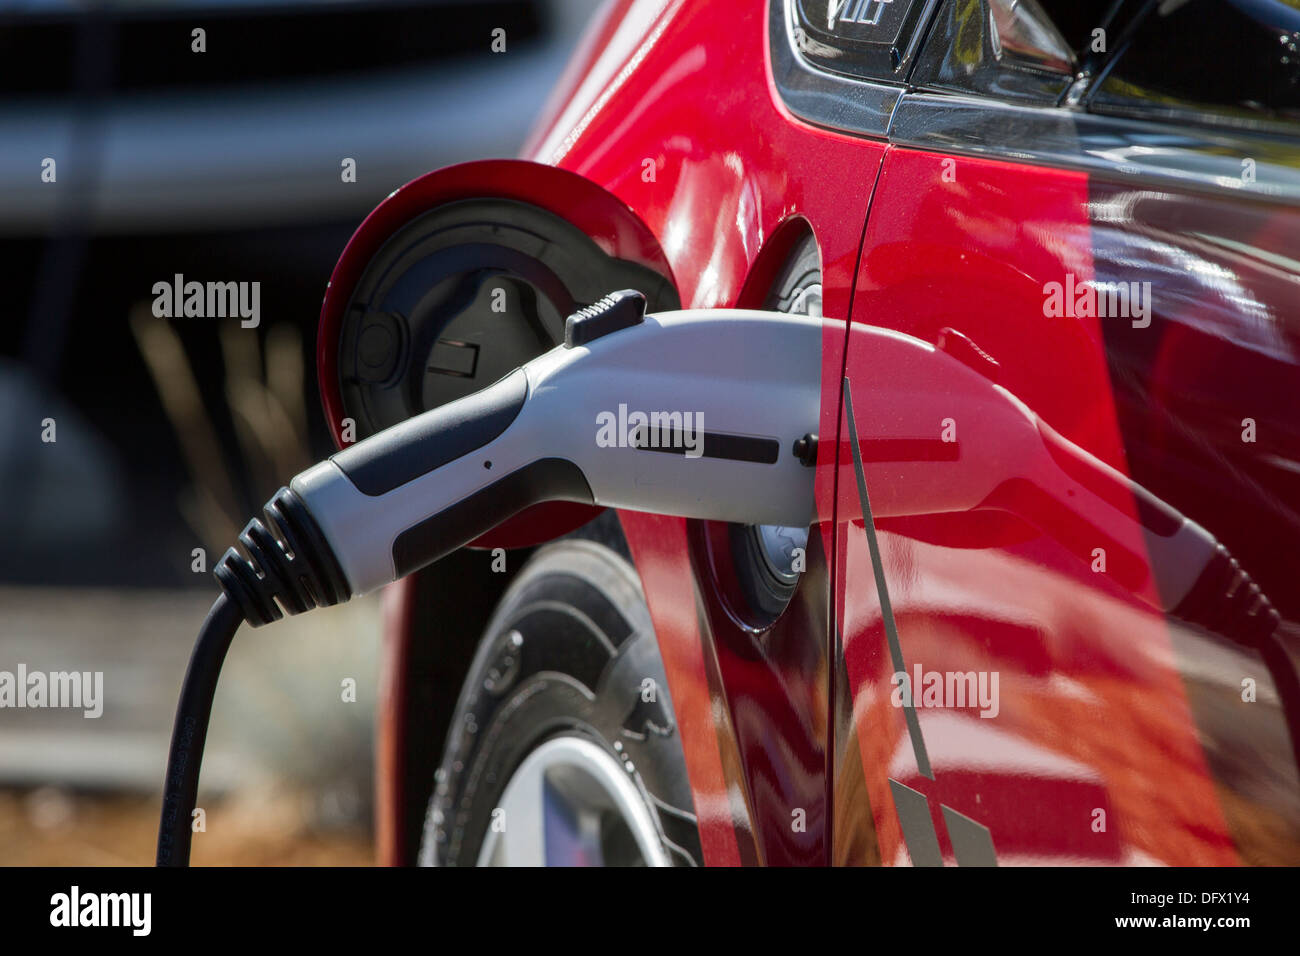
430 440
427 283
618 310
282 561
762 451
817 96
548 479
866 53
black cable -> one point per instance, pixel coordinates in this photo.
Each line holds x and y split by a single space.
282 563
190 731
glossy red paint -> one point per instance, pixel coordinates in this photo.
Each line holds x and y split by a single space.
390 721
711 181
1222 353
693 141
1098 716
1095 716
671 148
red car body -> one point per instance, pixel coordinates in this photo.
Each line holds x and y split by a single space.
1123 736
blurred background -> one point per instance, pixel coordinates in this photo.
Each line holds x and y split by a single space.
225 166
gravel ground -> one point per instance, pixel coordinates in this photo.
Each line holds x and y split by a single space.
48 827
288 773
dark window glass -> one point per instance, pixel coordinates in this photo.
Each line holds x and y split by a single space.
1233 62
1027 50
1079 20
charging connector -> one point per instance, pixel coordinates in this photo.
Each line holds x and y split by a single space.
723 396
727 405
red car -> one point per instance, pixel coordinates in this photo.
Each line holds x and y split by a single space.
1047 611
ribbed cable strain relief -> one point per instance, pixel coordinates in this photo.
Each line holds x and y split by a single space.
1225 600
281 561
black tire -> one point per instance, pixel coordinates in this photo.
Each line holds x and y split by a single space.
566 653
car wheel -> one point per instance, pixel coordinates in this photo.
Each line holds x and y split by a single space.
563 750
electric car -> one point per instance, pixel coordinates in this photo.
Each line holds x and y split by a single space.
1045 610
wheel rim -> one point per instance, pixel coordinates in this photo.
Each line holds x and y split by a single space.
570 803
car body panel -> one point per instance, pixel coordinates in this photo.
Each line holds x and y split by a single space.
713 176
1122 736
1092 709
